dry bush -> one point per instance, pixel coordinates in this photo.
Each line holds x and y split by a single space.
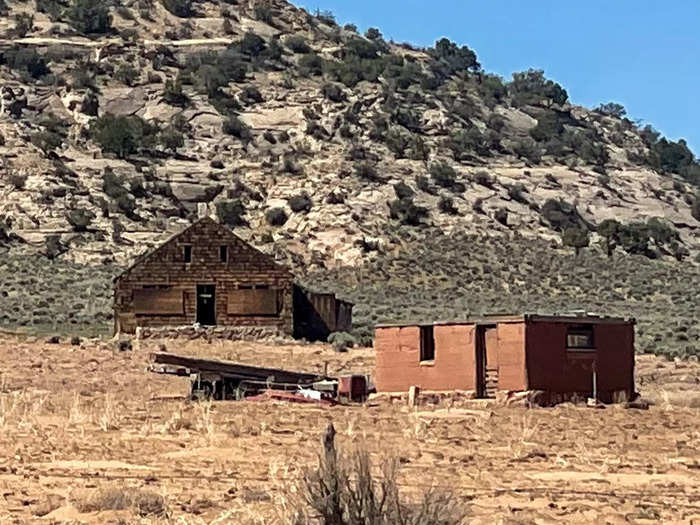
343 490
142 502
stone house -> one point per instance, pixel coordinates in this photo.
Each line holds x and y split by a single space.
207 275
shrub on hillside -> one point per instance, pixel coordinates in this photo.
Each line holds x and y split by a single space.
398 141
80 219
90 104
576 238
171 139
561 215
90 16
252 45
612 109
311 65
549 125
237 128
465 143
695 207
297 44
300 203
423 184
501 216
276 217
24 23
403 190
231 213
47 140
333 92
251 95
367 171
447 205
492 90
263 13
17 180
528 149
531 87
179 8
406 212
516 192
51 8
443 174
127 74
173 93
484 178
28 61
122 135
450 59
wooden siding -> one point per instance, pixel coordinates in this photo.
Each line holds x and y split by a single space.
159 301
253 302
317 315
245 266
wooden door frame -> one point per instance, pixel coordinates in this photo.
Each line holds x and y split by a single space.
481 359
197 293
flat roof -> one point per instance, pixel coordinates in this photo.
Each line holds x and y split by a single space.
588 318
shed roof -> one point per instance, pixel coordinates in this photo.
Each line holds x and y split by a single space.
587 318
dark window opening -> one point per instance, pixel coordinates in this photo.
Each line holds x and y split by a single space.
580 338
223 253
188 254
427 343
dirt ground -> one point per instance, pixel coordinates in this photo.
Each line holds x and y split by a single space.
84 428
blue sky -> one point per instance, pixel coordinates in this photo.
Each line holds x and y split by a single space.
644 54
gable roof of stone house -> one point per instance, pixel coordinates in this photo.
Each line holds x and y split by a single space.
225 232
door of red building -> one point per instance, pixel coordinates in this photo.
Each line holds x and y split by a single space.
486 361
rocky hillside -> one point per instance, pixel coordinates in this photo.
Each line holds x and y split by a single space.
329 148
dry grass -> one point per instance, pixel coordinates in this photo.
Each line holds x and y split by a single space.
82 424
143 503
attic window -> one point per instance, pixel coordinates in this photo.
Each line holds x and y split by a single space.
427 343
580 337
188 254
223 254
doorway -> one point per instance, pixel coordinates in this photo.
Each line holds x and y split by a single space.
486 361
206 304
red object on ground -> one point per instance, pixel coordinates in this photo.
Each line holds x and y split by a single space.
353 387
292 397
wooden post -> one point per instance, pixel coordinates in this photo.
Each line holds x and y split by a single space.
595 382
413 393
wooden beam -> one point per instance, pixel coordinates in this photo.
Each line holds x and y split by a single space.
226 368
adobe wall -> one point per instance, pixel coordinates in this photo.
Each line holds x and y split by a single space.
398 365
166 266
553 368
512 371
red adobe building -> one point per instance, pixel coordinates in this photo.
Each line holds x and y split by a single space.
562 356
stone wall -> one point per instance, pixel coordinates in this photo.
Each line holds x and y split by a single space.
232 333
